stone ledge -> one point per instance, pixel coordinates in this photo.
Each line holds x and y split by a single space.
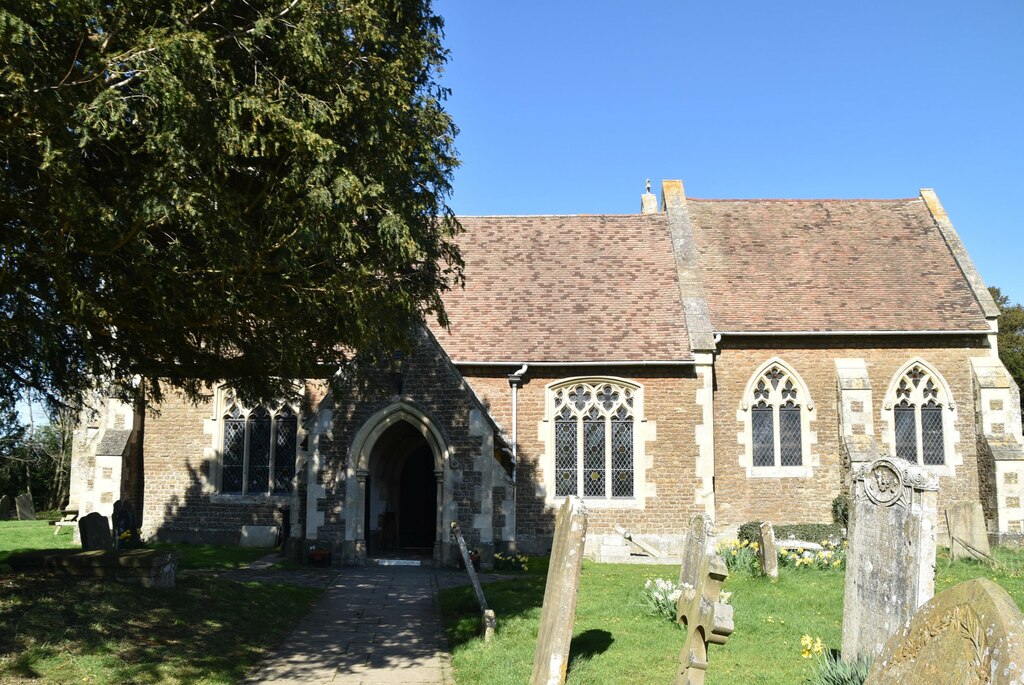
148 567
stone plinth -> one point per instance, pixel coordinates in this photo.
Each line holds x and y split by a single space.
890 568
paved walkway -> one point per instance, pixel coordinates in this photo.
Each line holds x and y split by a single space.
373 626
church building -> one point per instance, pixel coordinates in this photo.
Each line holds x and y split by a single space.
727 357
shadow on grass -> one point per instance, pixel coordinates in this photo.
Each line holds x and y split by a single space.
63 630
587 644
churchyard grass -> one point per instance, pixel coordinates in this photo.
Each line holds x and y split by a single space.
206 630
26 535
616 641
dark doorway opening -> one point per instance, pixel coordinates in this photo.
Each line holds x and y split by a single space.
401 495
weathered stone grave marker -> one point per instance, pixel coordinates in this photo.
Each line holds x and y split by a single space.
5 508
968 537
890 566
125 522
551 659
970 634
95 532
26 510
698 611
488 619
767 553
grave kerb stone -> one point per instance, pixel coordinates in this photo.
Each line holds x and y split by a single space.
551 659
890 567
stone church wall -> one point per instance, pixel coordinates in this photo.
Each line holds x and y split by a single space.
741 498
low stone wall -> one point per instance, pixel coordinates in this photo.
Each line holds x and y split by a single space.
147 567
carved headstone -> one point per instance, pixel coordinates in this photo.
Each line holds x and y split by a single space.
26 510
125 522
94 531
767 552
698 611
968 537
890 567
5 508
970 634
488 620
551 659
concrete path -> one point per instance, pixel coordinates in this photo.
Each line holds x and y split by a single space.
373 626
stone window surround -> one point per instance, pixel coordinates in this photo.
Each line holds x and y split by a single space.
643 431
950 434
214 427
808 438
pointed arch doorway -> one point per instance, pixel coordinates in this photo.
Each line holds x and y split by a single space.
401 495
395 487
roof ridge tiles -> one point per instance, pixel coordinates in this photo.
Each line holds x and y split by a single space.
803 199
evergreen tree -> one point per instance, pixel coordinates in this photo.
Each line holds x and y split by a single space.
245 190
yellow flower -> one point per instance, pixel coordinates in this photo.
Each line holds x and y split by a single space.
818 647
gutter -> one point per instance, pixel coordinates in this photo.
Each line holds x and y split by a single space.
617 362
775 334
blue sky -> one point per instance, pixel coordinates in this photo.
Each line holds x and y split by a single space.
567 107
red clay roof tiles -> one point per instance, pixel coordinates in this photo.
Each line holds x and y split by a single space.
566 289
829 265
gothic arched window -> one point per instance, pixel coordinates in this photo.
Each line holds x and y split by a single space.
776 423
594 439
917 417
259 449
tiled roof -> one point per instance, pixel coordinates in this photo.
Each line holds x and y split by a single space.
829 265
566 289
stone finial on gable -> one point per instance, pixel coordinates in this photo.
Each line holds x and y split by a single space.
648 201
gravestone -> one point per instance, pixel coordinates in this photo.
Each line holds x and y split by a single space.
890 565
5 508
551 659
767 553
26 510
94 531
968 537
969 634
488 620
698 611
125 522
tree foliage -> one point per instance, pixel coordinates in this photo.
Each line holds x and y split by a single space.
227 189
1011 335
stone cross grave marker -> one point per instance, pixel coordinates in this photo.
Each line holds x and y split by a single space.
968 536
488 620
973 633
551 659
767 553
95 532
26 510
5 508
890 566
698 611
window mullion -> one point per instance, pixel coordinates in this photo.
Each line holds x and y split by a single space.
776 435
607 457
919 433
273 453
245 457
580 438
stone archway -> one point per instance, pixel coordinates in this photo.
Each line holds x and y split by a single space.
398 443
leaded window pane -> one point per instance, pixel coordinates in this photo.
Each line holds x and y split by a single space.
286 427
259 451
593 458
622 458
906 432
764 436
790 443
234 453
932 447
565 457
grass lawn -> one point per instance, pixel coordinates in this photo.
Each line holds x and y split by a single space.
614 641
205 630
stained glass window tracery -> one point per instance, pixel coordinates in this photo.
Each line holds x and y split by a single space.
776 419
917 417
258 450
594 440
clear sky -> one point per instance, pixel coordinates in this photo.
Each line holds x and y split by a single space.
566 107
